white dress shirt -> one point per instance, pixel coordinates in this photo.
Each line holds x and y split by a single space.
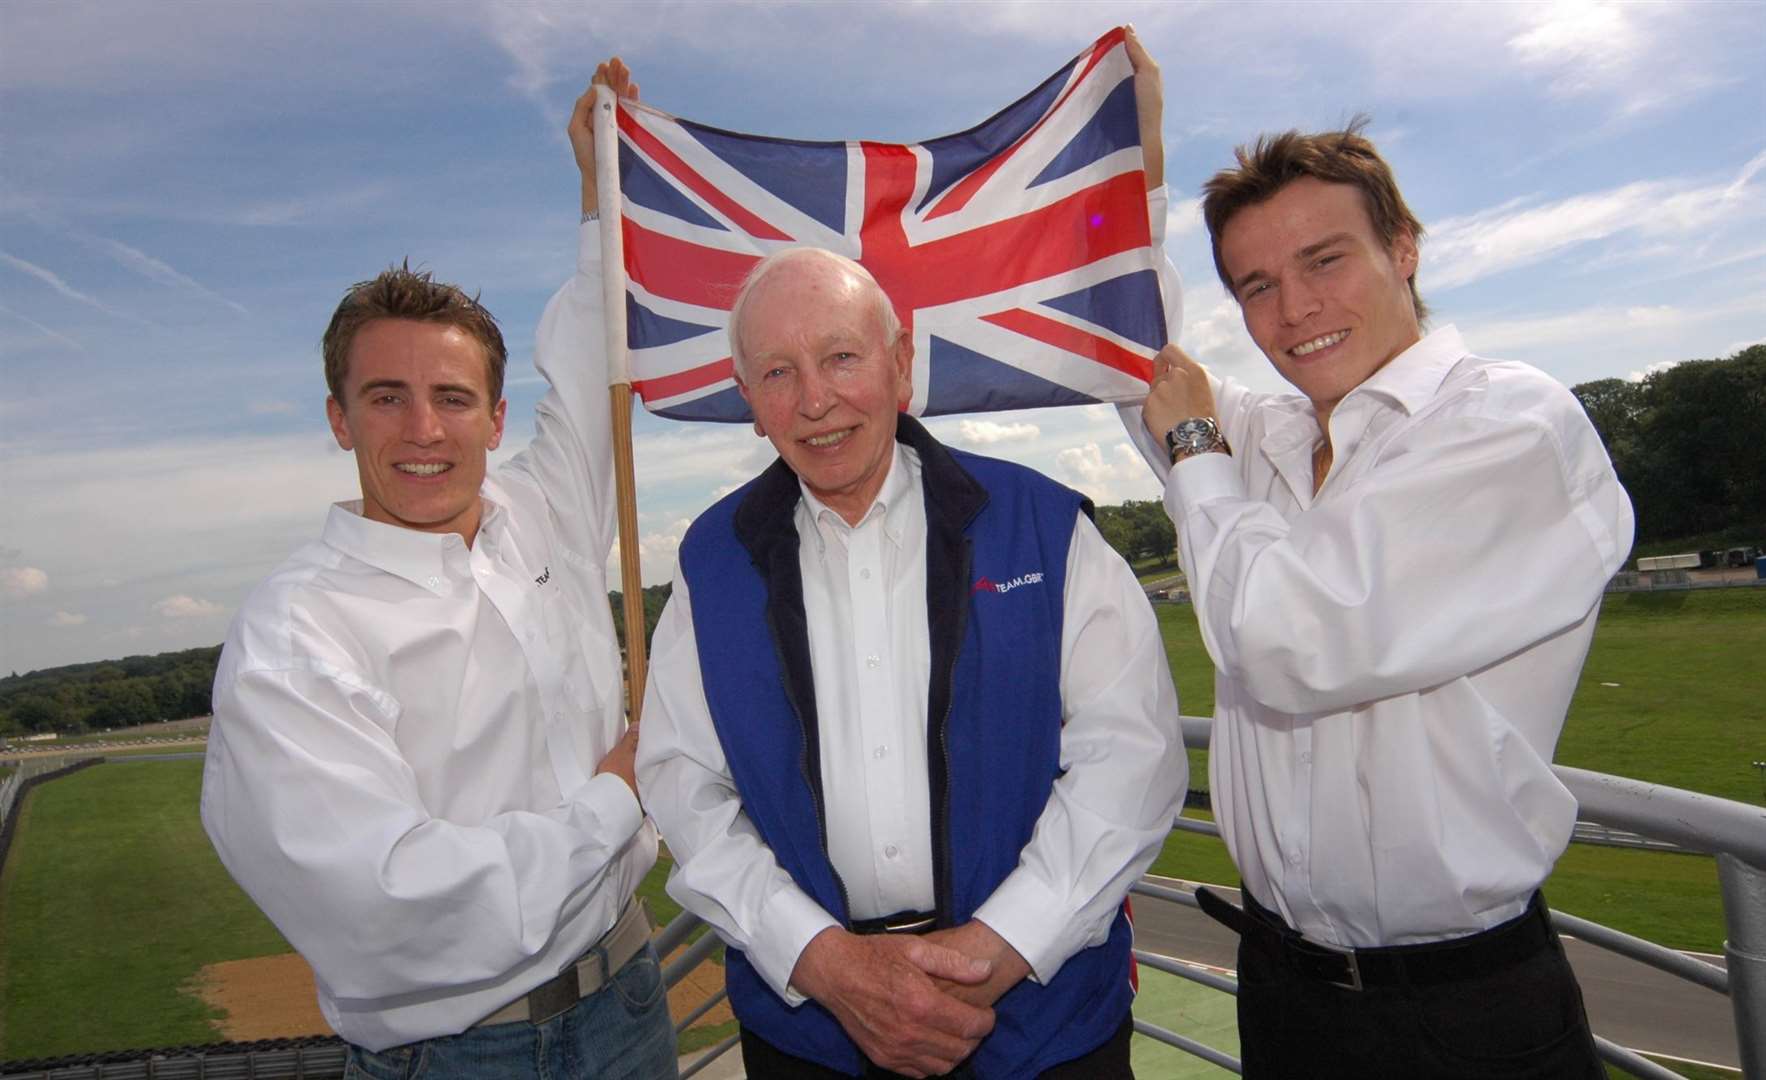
865 603
401 767
1395 654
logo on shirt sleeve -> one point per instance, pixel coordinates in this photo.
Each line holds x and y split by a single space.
985 584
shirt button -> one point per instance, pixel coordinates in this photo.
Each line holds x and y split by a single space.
891 850
880 752
434 582
865 573
1293 858
1306 757
873 660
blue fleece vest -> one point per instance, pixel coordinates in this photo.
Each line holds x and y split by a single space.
997 542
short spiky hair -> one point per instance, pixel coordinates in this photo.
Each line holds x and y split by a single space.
399 292
1335 157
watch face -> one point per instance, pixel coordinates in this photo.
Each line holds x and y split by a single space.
1194 434
1197 435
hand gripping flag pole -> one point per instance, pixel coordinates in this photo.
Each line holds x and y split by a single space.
619 389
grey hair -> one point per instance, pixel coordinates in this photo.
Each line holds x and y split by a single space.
885 310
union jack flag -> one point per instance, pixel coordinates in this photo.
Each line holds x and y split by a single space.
1017 252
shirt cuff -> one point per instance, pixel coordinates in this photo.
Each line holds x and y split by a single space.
611 801
588 248
788 922
1199 479
1158 206
1032 920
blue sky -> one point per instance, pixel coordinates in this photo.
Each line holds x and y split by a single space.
186 189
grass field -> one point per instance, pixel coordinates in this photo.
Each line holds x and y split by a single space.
1689 709
112 899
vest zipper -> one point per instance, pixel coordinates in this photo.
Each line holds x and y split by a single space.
813 779
944 899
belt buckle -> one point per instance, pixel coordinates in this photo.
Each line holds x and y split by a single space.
911 926
1348 955
553 997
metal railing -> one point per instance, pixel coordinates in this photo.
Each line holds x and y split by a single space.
1734 832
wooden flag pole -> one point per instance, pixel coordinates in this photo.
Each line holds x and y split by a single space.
631 580
619 392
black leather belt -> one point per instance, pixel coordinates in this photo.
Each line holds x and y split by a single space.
902 922
1430 963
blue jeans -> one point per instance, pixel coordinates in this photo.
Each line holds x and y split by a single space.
620 1032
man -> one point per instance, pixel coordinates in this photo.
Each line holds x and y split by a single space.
900 689
416 767
1397 572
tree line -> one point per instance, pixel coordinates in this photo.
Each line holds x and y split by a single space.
1689 444
135 690
109 693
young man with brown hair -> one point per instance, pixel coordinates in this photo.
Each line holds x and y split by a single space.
1396 572
417 766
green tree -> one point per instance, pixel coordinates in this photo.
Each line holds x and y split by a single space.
1687 444
35 713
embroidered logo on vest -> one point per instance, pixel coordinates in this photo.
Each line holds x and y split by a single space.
985 584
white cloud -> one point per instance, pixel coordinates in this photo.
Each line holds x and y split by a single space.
1524 231
1588 44
991 432
1108 475
1634 55
1590 327
187 607
1183 218
23 580
656 554
1639 376
66 618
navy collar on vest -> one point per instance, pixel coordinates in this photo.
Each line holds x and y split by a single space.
766 514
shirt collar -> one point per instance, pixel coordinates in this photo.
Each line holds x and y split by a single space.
1416 374
1408 382
422 558
901 481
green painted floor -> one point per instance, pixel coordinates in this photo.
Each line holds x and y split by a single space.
1181 1006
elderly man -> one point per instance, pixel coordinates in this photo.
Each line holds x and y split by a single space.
417 767
904 690
1396 571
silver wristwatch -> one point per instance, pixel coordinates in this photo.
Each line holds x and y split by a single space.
1197 435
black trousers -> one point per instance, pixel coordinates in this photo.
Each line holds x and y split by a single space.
764 1061
1523 1022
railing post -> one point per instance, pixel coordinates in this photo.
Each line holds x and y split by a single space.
1744 913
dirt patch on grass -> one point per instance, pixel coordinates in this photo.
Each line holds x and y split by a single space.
272 997
265 997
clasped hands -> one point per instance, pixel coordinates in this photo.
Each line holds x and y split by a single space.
914 1005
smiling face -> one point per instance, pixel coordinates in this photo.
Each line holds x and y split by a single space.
1322 297
416 411
824 378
